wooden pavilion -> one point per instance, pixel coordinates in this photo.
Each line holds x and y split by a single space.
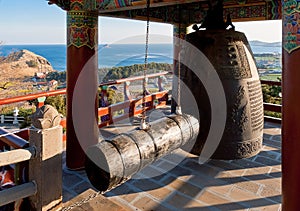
82 43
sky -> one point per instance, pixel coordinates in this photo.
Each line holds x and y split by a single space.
36 22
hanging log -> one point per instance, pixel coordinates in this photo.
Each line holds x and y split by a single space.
114 161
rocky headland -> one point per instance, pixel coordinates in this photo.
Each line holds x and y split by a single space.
17 69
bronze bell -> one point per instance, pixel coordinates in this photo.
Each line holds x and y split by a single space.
230 54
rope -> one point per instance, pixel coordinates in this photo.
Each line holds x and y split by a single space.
144 125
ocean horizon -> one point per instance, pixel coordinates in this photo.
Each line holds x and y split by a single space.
116 55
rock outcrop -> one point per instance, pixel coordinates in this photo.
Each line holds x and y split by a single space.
24 63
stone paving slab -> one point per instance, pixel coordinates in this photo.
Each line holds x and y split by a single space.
89 200
179 182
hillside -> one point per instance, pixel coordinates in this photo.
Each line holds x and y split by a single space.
23 63
15 70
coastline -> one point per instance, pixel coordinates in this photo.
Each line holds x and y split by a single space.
117 55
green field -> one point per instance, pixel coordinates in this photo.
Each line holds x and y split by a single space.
268 58
271 77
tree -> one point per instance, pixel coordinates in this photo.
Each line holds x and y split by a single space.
135 70
58 76
58 102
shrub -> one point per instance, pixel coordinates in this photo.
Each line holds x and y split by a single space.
32 63
58 102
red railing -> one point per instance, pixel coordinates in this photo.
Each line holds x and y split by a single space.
136 78
31 96
272 107
130 107
34 96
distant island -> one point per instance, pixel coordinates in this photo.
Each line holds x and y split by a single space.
261 43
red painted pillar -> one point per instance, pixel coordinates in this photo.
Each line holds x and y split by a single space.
82 80
291 107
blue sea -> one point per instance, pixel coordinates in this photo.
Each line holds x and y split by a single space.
116 54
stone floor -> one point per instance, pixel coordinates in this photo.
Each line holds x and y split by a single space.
246 184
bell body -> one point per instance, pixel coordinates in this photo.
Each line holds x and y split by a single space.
230 54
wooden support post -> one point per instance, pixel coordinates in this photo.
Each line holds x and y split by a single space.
147 92
160 83
46 168
104 96
127 95
41 101
82 80
290 108
104 102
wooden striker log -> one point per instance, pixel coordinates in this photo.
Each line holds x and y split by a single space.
114 161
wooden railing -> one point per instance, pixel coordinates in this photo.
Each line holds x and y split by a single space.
28 178
130 106
107 111
22 152
34 96
272 107
10 119
11 100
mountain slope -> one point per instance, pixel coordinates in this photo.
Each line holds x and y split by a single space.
23 63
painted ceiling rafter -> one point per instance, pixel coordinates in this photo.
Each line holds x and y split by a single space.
166 11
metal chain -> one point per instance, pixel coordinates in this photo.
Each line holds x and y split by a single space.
144 125
178 108
92 196
178 80
83 201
